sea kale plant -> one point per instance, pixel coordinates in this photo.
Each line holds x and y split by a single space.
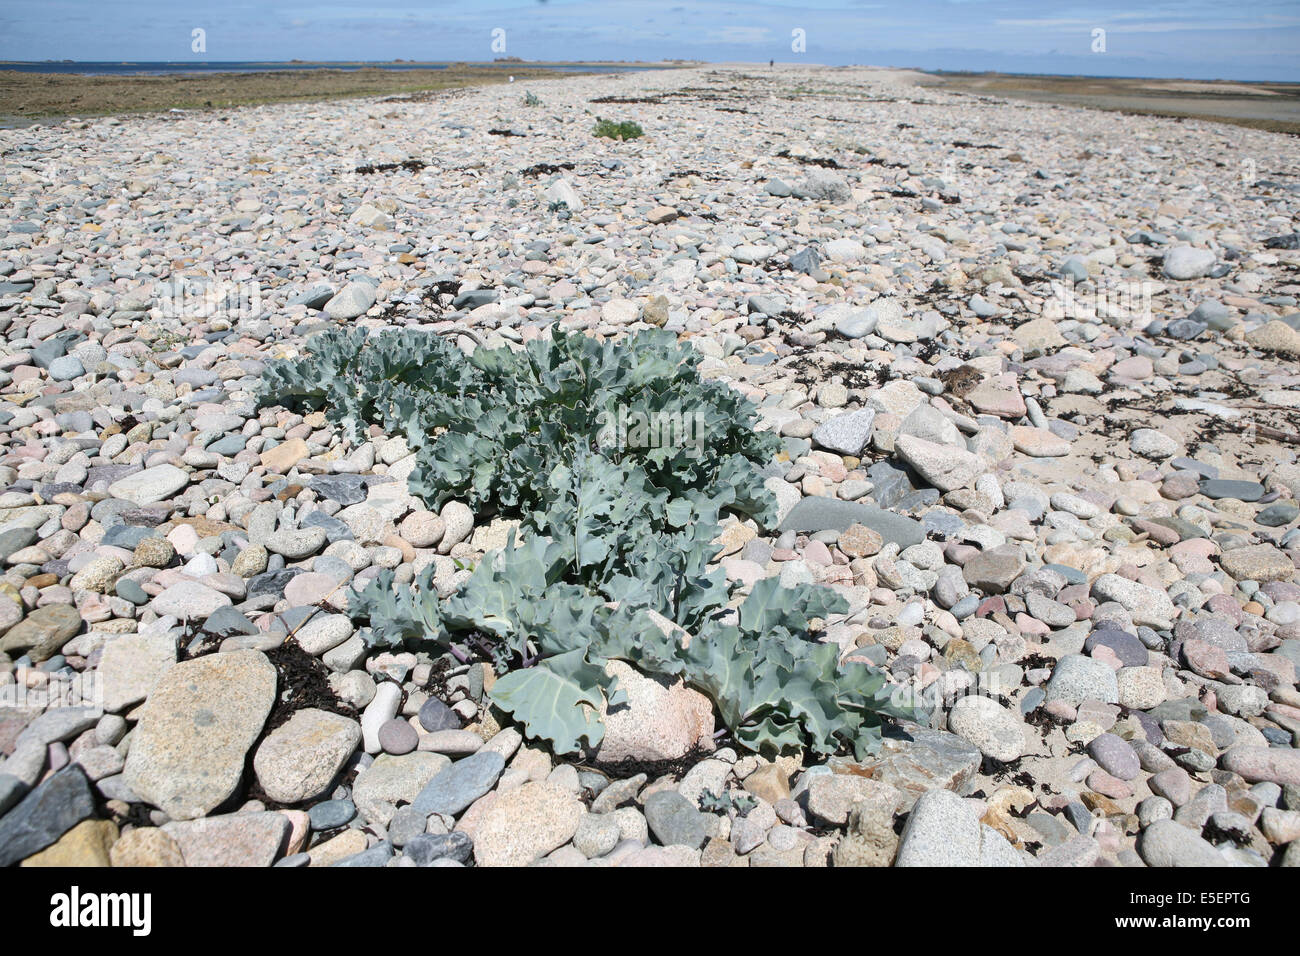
621 131
618 531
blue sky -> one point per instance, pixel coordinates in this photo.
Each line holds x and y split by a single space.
1187 38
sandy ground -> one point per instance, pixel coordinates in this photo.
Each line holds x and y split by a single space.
1273 106
32 96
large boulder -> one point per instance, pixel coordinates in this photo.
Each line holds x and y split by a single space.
944 830
187 752
526 823
299 759
662 719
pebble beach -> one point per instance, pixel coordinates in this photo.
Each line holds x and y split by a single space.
1034 369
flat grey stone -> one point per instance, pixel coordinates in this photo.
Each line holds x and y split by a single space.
45 814
15 539
187 752
459 785
674 820
1227 488
1126 646
153 484
832 514
377 855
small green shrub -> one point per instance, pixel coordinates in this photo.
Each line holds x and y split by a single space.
612 130
730 800
532 99
618 530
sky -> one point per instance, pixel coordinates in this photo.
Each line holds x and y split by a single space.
1201 39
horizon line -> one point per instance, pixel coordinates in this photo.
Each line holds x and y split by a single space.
505 63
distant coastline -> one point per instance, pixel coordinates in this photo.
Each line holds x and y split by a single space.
35 92
48 90
1274 107
203 67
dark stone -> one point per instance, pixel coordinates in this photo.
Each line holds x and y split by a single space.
942 523
331 815
1079 816
335 530
271 582
150 516
1144 238
227 622
890 483
377 855
1287 241
345 489
1186 708
1185 329
127 536
1126 646
832 514
674 820
15 539
45 814
1279 514
1185 530
11 791
435 716
109 473
56 346
475 298
295 617
313 298
129 590
1227 488
428 847
806 261
336 568
921 498
1150 727
228 446
459 785
48 491
1221 731
1071 575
